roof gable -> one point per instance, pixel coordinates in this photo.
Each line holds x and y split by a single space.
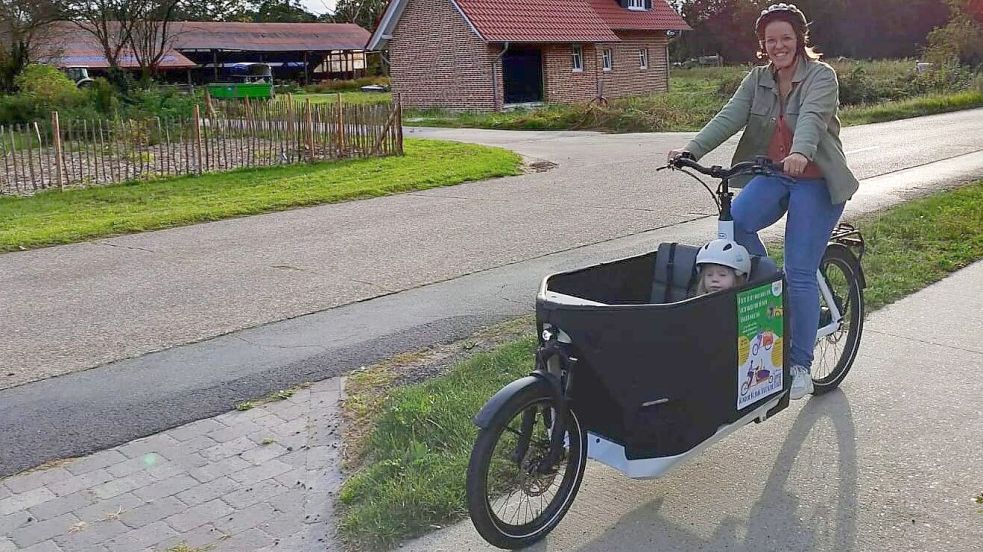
545 20
661 16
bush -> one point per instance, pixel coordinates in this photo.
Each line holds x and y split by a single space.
47 86
103 96
158 101
873 82
960 40
18 110
729 85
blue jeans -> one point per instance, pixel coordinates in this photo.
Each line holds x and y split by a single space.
811 219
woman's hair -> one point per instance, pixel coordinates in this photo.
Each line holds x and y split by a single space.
803 48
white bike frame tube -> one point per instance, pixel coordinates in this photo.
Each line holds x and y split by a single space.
833 309
725 230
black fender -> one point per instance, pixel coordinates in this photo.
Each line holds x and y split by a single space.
849 254
483 418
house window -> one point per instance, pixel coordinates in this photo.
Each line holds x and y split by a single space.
607 58
636 4
577 61
643 58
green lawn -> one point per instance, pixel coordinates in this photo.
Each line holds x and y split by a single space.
358 98
418 451
56 217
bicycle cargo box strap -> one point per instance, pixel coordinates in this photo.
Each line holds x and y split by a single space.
674 273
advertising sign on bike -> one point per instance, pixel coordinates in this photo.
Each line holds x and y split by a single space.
759 343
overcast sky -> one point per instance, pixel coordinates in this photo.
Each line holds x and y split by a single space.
318 6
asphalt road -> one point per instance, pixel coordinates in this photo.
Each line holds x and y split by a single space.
148 331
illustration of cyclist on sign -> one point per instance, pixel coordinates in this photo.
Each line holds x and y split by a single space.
759 345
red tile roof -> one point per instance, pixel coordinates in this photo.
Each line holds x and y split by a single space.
546 20
537 20
660 18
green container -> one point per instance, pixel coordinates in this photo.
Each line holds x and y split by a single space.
238 90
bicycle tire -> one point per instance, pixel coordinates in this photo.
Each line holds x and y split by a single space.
845 342
495 530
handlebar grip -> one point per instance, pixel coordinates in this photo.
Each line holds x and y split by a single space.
686 159
768 164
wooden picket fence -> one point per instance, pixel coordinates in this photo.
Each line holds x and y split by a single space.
221 136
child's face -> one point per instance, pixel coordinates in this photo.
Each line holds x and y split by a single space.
717 277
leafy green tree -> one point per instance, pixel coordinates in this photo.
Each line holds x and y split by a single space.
282 11
365 13
961 39
23 25
214 10
851 28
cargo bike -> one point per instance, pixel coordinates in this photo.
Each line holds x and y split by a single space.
634 371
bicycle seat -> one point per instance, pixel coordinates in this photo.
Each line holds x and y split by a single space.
763 268
674 277
675 272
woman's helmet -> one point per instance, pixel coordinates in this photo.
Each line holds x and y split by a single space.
768 14
726 253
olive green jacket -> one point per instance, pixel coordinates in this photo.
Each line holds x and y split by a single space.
810 112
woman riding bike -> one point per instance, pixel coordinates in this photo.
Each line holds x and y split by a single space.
788 110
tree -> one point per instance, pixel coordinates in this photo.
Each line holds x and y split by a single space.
138 28
961 39
111 22
213 10
852 28
365 13
151 35
282 11
23 26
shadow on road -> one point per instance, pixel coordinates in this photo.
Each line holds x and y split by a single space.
809 501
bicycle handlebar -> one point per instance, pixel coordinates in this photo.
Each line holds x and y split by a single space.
761 165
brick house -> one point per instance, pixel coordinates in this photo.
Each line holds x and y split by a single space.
485 54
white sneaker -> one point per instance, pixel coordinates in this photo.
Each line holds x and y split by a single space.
801 382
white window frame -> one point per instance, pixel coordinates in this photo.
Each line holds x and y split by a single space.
607 59
636 5
577 58
643 58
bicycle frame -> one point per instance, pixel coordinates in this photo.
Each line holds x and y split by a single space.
844 234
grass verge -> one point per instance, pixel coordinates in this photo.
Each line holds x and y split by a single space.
679 111
419 450
415 440
911 107
57 217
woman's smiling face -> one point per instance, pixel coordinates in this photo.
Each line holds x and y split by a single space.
780 44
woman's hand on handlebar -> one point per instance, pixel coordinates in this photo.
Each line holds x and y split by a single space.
673 154
795 164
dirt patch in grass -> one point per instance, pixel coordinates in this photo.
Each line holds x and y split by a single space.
368 388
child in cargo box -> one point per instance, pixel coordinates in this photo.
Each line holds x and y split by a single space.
723 264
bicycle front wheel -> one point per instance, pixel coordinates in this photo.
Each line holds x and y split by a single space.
514 498
834 353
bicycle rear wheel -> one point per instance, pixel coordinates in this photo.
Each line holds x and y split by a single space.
514 499
834 354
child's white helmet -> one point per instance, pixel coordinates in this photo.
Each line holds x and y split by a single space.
726 253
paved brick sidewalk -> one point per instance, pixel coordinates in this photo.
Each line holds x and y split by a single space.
260 479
